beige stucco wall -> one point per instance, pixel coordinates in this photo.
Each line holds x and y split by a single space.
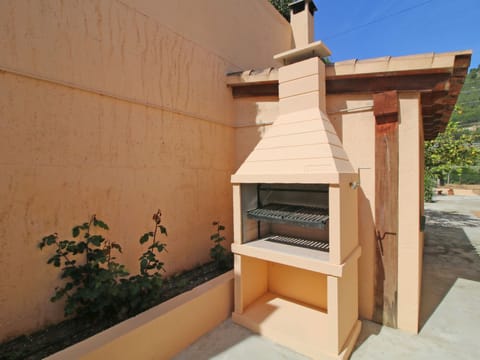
410 208
356 129
242 32
107 108
251 119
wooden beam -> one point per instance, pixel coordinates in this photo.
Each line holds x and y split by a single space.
261 90
461 64
430 97
386 220
385 106
411 82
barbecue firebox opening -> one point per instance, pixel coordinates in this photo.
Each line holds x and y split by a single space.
288 214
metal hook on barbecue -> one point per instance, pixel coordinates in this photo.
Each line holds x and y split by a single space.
356 184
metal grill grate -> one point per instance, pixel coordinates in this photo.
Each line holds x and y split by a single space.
293 214
309 244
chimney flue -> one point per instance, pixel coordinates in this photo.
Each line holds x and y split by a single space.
301 21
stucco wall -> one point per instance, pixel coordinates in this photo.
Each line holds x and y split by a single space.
356 129
106 108
251 119
410 206
242 32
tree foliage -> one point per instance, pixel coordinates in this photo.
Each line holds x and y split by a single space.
452 150
282 7
468 105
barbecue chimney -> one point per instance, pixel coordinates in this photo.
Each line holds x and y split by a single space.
301 21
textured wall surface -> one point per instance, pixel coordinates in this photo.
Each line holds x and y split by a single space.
356 129
107 108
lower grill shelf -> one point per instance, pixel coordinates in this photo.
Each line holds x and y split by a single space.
292 241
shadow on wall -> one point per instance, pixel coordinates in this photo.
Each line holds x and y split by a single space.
448 255
251 123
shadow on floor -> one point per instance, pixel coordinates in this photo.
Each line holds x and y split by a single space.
369 328
448 256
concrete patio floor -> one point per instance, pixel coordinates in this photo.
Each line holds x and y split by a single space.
450 310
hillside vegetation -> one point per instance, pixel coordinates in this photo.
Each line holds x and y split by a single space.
453 157
468 104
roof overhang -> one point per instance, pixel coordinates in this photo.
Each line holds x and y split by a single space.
437 77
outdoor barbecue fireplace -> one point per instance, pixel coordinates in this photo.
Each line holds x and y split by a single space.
295 220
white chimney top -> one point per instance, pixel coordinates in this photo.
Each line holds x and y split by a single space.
301 21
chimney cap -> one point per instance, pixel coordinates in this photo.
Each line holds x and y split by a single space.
299 5
315 49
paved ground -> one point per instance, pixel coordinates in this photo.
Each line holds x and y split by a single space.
450 312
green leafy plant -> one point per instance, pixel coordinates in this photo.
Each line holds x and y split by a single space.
144 290
222 258
89 269
96 286
148 260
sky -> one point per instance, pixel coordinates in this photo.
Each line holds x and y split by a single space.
362 29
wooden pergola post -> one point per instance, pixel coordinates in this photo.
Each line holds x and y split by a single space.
386 207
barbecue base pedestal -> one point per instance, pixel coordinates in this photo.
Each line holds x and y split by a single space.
308 310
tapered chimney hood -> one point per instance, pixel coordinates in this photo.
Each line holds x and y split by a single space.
301 146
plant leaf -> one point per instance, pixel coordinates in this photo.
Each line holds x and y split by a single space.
51 239
144 238
96 240
116 246
143 265
76 231
163 229
101 224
